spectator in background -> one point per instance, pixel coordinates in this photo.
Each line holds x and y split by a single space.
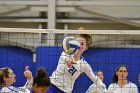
120 84
93 88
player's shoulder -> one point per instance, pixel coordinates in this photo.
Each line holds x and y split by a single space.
112 85
132 84
6 89
82 59
63 54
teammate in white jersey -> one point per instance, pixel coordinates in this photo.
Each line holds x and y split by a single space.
70 67
7 78
120 83
93 88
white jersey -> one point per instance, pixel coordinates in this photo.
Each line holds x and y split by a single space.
128 88
64 77
12 89
94 89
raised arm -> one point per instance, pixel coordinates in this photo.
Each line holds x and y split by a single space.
94 78
28 75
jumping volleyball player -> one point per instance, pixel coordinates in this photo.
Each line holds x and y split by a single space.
68 70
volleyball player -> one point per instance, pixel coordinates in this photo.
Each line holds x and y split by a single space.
41 82
7 78
93 88
120 83
68 70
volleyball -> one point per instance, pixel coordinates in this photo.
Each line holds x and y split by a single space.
70 45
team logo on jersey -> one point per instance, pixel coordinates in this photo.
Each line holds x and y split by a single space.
72 70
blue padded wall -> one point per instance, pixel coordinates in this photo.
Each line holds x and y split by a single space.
17 59
106 59
48 57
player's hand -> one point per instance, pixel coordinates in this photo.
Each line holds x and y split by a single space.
69 62
27 73
77 55
106 91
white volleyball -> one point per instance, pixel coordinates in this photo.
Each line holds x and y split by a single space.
70 45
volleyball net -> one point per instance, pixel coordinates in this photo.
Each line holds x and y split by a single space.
42 47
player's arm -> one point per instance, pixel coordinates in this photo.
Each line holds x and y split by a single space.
110 88
67 59
92 89
94 78
28 75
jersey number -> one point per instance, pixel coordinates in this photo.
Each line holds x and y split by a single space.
72 70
